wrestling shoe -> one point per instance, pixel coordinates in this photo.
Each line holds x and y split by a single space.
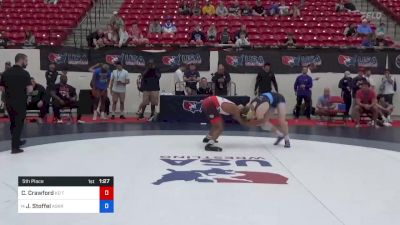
213 148
287 144
122 117
278 140
16 151
206 140
112 117
22 142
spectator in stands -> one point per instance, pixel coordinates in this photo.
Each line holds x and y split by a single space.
381 42
345 85
64 96
99 84
119 80
221 10
349 5
169 27
324 107
198 37
388 87
290 41
258 9
273 9
364 28
136 35
366 102
54 2
350 30
221 80
295 11
118 25
151 88
380 30
110 36
123 37
204 89
4 40
225 37
208 9
96 39
191 77
264 81
234 9
242 41
242 30
368 41
302 88
38 100
184 8
284 10
155 27
385 111
339 7
246 10
196 10
212 33
30 39
178 80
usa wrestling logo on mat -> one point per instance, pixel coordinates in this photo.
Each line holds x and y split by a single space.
215 171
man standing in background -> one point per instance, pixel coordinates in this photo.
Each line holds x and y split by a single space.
119 80
221 80
356 85
100 82
7 66
17 84
191 77
151 88
178 79
302 88
345 86
264 81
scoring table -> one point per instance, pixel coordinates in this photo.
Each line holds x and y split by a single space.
65 194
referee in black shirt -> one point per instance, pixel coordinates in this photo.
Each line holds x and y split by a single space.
17 84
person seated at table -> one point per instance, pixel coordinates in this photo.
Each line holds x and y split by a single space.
204 89
325 108
37 100
385 110
64 96
366 102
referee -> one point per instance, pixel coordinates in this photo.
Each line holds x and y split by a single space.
17 84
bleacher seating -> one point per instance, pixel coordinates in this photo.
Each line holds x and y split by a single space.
319 24
50 23
390 7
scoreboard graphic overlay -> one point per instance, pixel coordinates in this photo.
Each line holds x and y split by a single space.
65 194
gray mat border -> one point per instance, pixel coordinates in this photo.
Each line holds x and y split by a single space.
33 141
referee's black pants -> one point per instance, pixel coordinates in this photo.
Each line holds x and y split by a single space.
17 114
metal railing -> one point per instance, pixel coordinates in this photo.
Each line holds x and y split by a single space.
89 22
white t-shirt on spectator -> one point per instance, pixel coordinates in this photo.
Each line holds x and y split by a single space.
178 77
119 76
388 88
